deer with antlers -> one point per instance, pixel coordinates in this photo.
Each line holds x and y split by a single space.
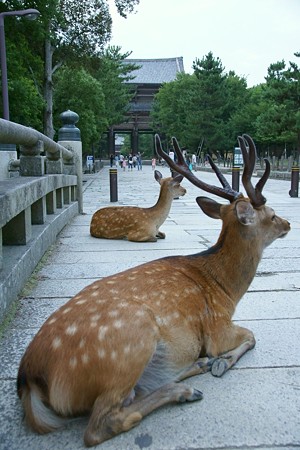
135 223
119 348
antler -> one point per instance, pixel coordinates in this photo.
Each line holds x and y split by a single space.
182 168
249 156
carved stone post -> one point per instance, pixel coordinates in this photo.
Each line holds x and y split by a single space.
54 163
69 137
31 162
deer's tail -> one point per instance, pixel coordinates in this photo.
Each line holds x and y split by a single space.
38 416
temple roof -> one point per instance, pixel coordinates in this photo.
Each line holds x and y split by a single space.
156 71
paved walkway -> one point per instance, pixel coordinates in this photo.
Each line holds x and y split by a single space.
255 405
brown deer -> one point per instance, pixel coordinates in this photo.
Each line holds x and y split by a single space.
119 348
134 223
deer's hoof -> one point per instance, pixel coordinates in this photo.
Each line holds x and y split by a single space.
219 367
193 397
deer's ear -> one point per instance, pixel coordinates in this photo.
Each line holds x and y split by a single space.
245 212
158 176
178 178
210 207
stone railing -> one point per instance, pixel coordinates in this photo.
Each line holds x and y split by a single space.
37 204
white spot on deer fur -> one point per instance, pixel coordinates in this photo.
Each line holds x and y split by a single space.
73 362
82 343
158 303
100 302
94 294
118 324
65 311
131 278
111 282
101 353
113 355
113 313
81 302
51 321
122 304
127 349
95 317
114 291
71 330
85 358
56 343
102 332
140 313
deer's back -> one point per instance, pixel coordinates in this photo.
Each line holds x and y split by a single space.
117 222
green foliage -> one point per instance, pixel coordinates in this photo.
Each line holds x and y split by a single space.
279 122
111 72
78 32
209 106
78 91
201 106
214 107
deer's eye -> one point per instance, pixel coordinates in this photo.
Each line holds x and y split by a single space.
273 217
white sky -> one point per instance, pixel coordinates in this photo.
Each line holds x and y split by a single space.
247 35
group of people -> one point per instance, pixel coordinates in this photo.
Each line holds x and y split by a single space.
131 161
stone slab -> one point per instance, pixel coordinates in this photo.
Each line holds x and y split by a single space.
259 409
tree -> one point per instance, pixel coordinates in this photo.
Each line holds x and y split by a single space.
198 108
280 122
25 69
96 92
69 30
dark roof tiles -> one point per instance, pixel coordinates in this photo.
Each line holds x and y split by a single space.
156 71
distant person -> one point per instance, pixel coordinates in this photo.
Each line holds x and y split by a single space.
172 155
112 160
139 161
153 163
194 161
130 162
134 161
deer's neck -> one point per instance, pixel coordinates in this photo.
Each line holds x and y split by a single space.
163 205
232 262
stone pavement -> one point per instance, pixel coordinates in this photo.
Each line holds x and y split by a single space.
254 405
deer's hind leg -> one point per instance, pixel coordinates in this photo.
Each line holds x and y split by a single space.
141 236
104 424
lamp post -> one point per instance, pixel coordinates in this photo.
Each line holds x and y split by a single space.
30 14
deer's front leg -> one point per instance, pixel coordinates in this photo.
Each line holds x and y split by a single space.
232 344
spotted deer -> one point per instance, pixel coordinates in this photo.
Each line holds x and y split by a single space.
119 349
135 223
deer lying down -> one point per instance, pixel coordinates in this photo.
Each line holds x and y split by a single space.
134 223
119 348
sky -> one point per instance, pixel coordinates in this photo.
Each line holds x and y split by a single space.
247 35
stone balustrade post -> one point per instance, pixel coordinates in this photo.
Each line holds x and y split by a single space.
31 161
69 136
54 162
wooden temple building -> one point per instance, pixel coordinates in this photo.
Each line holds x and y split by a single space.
148 79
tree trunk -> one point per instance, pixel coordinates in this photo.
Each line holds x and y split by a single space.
48 91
